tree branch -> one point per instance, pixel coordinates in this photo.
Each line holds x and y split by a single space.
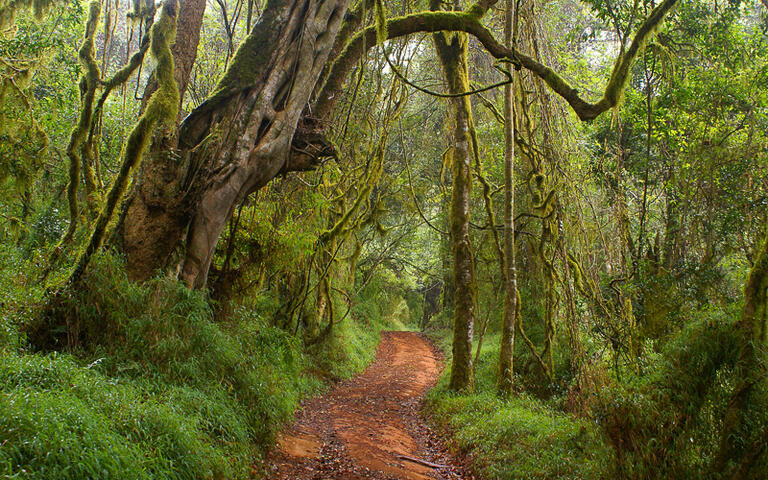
469 22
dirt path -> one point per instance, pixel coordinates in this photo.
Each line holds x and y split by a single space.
366 427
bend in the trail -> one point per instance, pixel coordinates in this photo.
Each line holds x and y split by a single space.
369 427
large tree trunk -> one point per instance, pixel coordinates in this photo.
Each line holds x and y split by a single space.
234 143
153 222
452 51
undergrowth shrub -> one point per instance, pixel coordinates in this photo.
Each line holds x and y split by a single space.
61 420
518 438
665 424
155 389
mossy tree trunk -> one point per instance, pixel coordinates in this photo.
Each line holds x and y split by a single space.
506 361
235 142
452 52
154 221
161 111
446 256
241 137
190 21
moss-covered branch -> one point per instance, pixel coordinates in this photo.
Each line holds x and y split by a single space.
469 21
84 137
88 84
162 108
123 75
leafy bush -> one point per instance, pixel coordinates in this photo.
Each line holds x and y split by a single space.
518 438
666 423
156 389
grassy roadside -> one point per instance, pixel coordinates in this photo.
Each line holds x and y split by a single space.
160 390
518 438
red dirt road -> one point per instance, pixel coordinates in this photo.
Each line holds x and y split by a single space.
366 427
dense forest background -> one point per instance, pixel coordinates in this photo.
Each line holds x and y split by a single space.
599 286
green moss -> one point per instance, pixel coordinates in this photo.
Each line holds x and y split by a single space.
475 11
141 9
161 108
620 74
381 21
250 59
77 140
343 225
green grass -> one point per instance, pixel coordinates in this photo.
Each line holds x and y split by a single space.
518 438
60 420
157 388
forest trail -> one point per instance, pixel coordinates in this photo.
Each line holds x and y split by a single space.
369 427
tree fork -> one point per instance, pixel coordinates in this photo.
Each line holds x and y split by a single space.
258 104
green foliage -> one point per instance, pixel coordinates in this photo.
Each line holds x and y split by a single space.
520 437
666 423
352 344
157 389
63 420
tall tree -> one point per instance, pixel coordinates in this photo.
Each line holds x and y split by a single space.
452 52
506 361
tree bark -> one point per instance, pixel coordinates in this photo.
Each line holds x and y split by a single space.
154 218
189 22
235 142
506 352
452 51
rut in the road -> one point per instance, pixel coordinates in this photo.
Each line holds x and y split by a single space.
369 427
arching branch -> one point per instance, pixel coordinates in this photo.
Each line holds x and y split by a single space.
469 22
